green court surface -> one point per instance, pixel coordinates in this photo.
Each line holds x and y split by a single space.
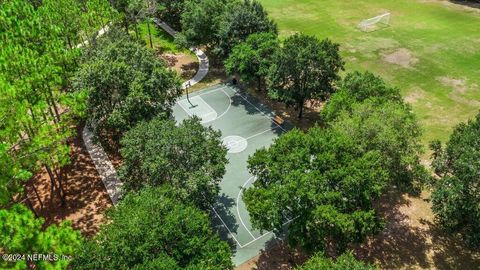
246 126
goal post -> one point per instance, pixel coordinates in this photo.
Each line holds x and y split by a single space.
375 23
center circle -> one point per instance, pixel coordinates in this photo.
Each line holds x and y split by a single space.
235 144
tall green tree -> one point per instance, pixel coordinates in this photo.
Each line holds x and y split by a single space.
241 21
171 11
390 128
35 72
344 262
152 229
22 233
456 194
126 84
357 87
323 182
253 58
189 157
202 20
305 68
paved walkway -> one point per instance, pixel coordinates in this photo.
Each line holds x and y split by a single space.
104 167
202 57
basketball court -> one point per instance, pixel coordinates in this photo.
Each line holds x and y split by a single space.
246 126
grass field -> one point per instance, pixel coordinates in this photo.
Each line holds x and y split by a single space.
160 39
431 50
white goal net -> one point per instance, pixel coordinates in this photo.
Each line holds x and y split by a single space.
375 23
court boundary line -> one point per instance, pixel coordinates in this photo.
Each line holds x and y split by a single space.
229 104
225 225
238 210
270 118
206 93
248 180
212 111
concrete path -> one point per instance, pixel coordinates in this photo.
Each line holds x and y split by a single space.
105 168
99 34
102 163
202 57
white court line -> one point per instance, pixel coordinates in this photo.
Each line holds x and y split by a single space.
238 243
241 220
260 133
194 94
270 118
211 110
229 105
238 211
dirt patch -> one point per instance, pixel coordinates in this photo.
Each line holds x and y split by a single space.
311 111
402 57
279 257
86 197
460 88
459 85
412 240
185 65
415 95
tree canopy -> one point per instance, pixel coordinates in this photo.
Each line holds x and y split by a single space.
22 233
322 181
392 129
35 79
374 114
171 11
344 262
242 20
253 58
126 83
189 157
201 20
304 68
152 229
357 87
456 194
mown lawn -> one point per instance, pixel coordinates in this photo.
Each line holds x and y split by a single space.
160 39
431 50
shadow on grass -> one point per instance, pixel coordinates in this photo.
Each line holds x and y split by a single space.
278 255
412 240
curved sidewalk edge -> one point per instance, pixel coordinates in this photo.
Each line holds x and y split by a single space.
203 64
104 167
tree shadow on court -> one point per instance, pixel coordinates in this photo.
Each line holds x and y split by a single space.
223 207
253 106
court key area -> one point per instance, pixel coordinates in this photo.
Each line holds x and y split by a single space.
246 126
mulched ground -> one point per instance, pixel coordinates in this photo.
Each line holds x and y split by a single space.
86 197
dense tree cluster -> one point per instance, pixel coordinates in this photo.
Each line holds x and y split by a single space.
188 157
23 234
326 180
242 20
36 43
222 24
344 262
323 181
253 58
126 83
37 109
373 113
456 194
305 68
152 229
